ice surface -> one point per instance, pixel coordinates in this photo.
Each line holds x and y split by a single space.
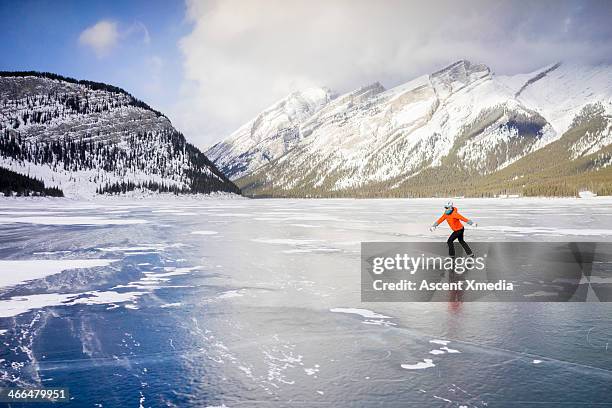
137 248
70 221
179 312
550 230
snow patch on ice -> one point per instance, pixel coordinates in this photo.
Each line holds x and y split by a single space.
385 323
541 293
21 304
443 399
19 271
426 363
310 250
287 241
204 232
311 371
441 342
152 279
167 305
231 294
368 314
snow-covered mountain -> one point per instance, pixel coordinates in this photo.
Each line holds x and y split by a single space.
454 131
85 137
268 136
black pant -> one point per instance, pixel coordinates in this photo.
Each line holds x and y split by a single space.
451 246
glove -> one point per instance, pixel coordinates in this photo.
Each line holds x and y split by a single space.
472 223
433 227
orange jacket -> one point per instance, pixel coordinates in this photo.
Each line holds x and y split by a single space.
454 220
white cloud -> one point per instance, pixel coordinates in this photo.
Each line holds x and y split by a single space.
243 55
102 37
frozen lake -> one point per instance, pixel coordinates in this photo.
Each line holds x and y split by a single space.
169 302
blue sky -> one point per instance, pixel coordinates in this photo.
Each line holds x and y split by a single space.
44 35
212 65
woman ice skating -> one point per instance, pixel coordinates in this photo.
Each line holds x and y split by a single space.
452 216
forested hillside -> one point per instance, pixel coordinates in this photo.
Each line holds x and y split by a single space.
86 137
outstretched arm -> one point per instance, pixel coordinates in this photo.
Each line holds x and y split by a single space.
437 222
469 222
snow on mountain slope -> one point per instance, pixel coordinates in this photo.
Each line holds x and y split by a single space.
87 137
559 92
462 117
268 136
386 134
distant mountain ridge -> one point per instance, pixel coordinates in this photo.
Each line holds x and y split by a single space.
462 130
271 134
86 137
